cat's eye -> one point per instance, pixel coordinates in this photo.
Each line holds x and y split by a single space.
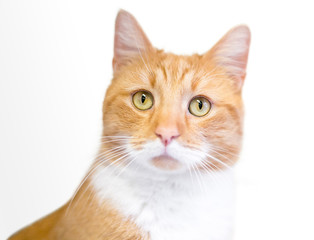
143 100
199 106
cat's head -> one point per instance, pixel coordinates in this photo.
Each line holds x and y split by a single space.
174 113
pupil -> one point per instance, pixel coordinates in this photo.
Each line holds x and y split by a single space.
143 98
200 104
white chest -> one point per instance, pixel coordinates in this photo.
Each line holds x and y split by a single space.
180 207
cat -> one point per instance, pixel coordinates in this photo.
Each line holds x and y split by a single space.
172 132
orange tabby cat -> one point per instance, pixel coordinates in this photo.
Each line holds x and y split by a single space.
172 130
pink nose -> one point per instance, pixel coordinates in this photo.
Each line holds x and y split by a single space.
167 134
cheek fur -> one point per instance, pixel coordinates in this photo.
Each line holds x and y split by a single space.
224 137
123 118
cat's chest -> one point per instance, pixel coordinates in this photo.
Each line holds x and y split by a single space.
173 210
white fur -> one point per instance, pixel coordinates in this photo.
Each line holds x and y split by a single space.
170 205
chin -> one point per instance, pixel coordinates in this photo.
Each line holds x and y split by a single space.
166 163
175 159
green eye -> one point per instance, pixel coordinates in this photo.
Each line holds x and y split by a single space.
143 100
199 106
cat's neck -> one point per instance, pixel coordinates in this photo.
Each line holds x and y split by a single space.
187 200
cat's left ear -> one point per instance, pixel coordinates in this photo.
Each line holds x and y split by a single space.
231 53
130 40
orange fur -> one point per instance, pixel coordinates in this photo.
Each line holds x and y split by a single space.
171 76
173 80
82 219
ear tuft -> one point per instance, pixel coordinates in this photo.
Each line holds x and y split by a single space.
129 41
231 52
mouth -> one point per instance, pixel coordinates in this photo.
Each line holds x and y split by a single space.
165 162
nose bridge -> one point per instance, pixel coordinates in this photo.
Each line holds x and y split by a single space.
167 119
168 124
169 116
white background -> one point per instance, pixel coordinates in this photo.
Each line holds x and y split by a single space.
55 65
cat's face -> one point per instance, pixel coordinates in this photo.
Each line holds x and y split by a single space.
174 113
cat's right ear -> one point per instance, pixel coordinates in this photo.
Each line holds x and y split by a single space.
130 40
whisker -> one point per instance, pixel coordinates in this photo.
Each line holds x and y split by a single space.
109 152
91 171
130 162
209 170
197 177
223 150
111 164
219 161
189 170
112 140
226 158
116 137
